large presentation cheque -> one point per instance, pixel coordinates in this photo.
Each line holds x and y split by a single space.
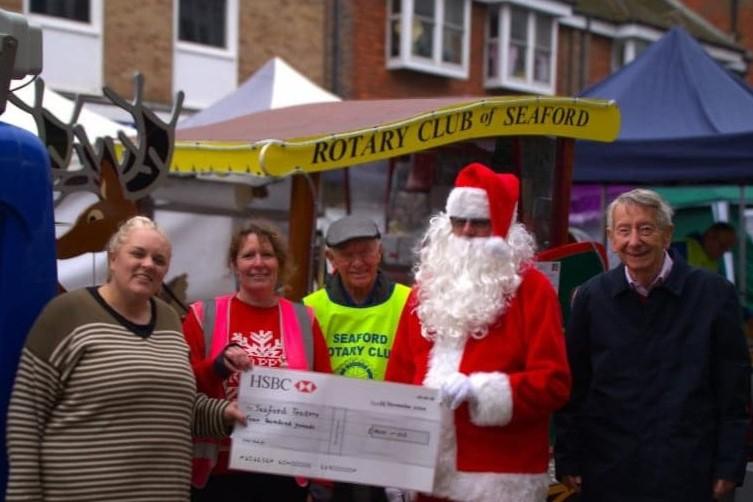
331 427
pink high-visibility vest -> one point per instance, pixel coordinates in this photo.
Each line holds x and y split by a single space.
297 341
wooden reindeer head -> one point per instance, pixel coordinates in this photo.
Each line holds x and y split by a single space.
118 182
95 225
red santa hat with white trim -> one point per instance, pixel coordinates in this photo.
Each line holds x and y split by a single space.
480 193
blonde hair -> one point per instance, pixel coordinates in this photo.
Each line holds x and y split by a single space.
120 235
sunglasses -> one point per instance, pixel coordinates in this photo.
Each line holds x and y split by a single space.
478 224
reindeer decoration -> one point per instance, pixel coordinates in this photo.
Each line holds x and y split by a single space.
118 182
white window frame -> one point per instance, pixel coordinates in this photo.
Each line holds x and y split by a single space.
629 48
434 65
77 76
230 51
206 73
629 36
527 84
93 27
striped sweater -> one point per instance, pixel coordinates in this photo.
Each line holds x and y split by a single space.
101 413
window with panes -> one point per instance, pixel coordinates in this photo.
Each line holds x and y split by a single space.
203 22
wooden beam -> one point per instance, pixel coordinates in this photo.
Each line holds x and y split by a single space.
301 226
563 181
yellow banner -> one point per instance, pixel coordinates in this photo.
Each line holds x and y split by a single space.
505 116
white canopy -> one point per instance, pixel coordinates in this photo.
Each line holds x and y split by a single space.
274 85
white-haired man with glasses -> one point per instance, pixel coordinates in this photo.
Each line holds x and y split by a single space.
661 374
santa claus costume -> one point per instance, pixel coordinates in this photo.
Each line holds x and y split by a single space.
484 326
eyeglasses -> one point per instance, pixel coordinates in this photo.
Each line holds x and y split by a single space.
477 224
643 231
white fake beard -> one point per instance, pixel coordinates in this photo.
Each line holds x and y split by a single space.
465 284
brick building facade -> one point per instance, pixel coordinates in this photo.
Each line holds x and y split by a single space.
591 40
368 49
121 37
731 16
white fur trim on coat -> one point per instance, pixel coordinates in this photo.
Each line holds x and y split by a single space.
468 202
444 360
492 403
495 487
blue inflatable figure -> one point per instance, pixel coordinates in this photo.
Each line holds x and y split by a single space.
28 275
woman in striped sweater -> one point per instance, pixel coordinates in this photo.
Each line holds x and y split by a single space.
105 403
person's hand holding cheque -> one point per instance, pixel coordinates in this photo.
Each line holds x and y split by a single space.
235 359
456 389
233 415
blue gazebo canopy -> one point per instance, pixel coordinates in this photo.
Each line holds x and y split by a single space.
685 119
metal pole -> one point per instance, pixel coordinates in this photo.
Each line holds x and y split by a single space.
603 211
742 240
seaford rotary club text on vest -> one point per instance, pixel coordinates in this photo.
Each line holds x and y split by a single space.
443 126
372 345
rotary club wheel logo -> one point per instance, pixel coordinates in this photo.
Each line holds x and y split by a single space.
355 369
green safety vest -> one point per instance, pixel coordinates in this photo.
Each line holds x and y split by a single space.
359 339
697 256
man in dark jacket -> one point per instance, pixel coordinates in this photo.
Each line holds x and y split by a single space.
661 374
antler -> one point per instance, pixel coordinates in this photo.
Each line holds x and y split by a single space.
145 165
117 183
58 137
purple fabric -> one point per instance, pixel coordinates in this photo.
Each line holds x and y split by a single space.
585 200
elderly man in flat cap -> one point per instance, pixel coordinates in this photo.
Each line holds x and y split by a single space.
358 310
359 307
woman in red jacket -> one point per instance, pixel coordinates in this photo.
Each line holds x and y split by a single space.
254 326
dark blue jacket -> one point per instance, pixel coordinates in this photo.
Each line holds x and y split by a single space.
660 388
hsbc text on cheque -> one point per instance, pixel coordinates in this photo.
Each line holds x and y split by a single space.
324 426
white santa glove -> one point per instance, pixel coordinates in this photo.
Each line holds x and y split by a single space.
456 389
399 495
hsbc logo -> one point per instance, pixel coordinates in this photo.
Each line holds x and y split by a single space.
269 382
305 386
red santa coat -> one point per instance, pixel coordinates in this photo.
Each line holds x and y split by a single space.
497 446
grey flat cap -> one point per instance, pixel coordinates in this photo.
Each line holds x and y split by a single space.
349 228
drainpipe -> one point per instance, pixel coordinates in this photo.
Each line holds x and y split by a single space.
572 81
334 70
584 52
733 9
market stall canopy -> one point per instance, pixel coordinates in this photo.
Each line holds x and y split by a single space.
275 85
95 125
321 136
684 119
